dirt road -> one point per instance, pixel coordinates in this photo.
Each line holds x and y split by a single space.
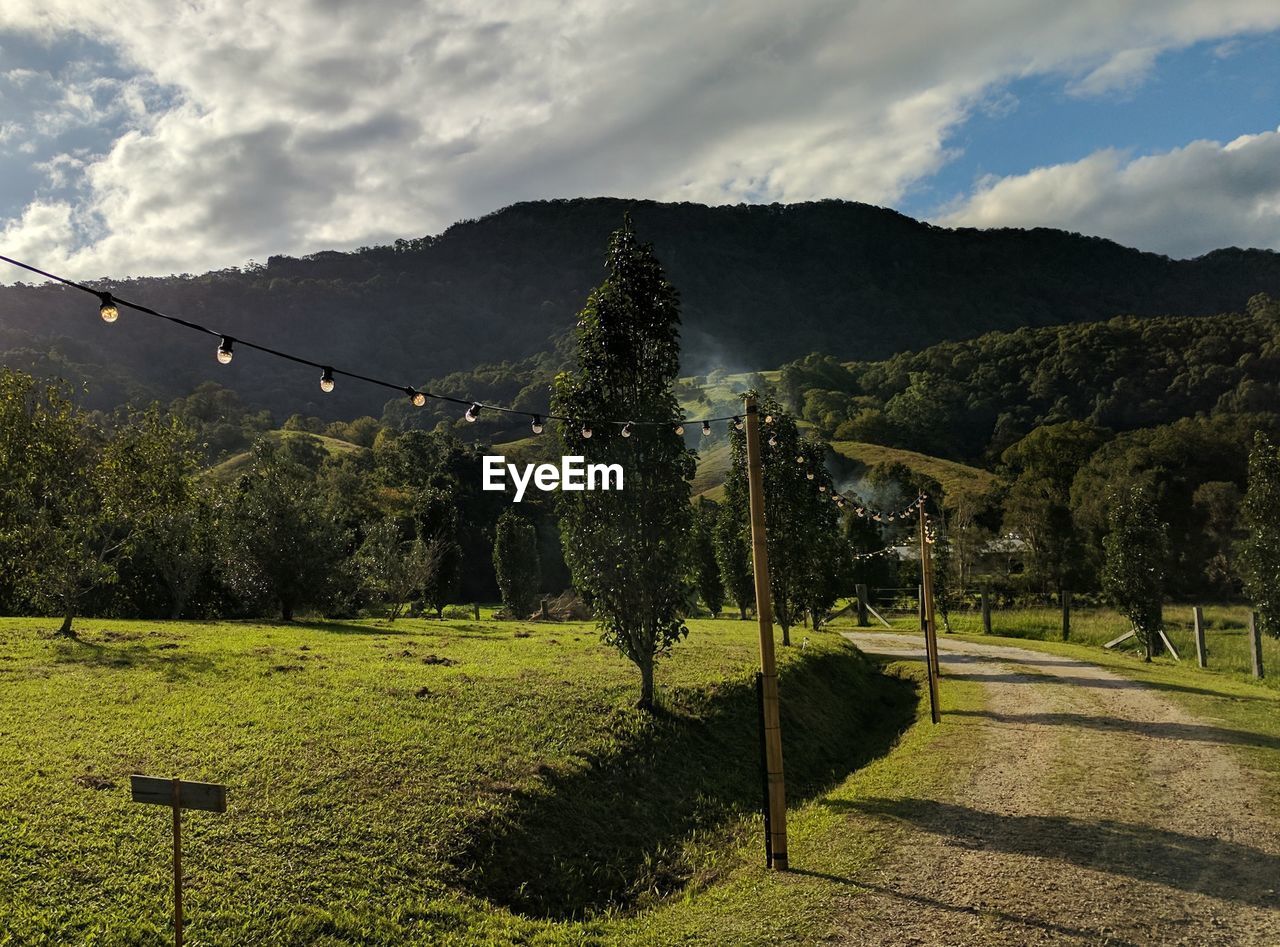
1096 812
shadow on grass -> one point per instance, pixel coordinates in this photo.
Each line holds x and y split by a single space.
613 834
1098 683
1197 733
175 663
1214 867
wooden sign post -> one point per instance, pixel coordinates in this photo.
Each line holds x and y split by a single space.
1255 645
927 618
777 791
1197 621
179 795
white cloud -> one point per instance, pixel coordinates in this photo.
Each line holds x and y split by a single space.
1125 70
292 125
1181 202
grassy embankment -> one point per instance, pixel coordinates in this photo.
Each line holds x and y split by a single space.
423 783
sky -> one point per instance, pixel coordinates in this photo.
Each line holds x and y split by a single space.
147 137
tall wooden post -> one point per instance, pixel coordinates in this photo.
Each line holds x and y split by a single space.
986 612
863 621
768 665
1066 614
177 863
1197 622
1255 644
927 620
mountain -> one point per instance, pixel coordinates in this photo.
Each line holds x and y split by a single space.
760 284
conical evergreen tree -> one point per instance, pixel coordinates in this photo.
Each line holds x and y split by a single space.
1260 550
627 548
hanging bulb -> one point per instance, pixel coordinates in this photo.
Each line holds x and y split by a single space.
706 428
326 380
586 431
679 430
473 412
799 458
809 475
737 422
108 309
768 419
417 398
536 426
773 440
225 349
627 429
822 488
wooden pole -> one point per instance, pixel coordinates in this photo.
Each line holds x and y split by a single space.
1197 621
768 666
930 642
863 621
986 612
177 863
1066 615
931 613
1255 645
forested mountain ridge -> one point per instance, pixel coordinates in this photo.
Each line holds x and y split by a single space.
760 284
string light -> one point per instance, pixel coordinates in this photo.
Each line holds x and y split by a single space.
417 398
473 412
109 310
536 426
627 428
768 419
586 431
809 475
773 440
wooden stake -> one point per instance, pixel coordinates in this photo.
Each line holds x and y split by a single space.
926 622
1066 615
777 815
862 606
1255 645
1197 621
986 612
177 863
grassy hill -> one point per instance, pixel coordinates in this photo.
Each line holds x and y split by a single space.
957 479
416 783
236 463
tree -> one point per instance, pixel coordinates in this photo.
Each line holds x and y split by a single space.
392 569
515 563
437 519
1259 555
76 500
800 518
1136 553
280 540
181 548
626 548
706 570
733 556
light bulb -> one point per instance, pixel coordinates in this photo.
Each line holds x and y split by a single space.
473 412
768 419
536 426
773 440
586 431
800 458
822 488
737 422
326 380
417 398
808 475
627 428
225 350
706 428
680 430
108 309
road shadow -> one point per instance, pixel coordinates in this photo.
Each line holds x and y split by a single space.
1214 867
984 912
1192 732
613 834
1110 683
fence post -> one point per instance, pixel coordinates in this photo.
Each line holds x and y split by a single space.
1066 615
986 612
863 622
1255 644
1197 621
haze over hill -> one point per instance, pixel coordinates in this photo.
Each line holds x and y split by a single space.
761 284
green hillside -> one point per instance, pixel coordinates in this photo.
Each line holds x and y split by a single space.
237 463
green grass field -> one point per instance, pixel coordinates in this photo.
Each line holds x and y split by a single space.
424 782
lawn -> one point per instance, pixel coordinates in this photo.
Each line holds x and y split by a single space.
431 782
